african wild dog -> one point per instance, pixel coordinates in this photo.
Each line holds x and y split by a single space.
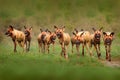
77 40
28 37
108 38
41 40
84 37
50 39
17 36
96 39
64 39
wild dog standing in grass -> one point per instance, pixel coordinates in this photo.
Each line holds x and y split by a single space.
84 38
50 39
17 36
95 40
28 37
75 40
64 39
108 38
41 40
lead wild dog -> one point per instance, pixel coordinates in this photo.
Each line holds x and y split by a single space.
41 40
96 39
108 38
17 36
28 37
50 39
64 40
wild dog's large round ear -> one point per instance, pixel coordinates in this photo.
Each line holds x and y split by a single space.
82 30
74 33
11 27
25 27
112 33
104 33
46 30
30 28
94 29
41 30
81 34
55 27
49 31
76 30
100 28
63 28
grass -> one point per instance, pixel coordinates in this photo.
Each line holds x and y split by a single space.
35 65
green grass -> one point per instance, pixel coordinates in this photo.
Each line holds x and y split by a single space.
35 65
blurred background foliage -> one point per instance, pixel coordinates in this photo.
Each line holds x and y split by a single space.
71 13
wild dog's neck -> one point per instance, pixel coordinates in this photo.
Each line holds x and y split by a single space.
96 41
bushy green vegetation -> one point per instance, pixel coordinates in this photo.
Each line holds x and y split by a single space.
46 13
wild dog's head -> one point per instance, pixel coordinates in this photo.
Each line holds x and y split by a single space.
27 31
108 37
43 33
59 31
9 31
97 33
52 36
78 38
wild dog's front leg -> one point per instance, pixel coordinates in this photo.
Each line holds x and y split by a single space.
83 49
77 47
106 52
28 46
72 47
48 48
53 47
109 55
96 50
14 45
65 52
44 46
63 49
99 54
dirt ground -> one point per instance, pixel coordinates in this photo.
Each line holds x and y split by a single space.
113 63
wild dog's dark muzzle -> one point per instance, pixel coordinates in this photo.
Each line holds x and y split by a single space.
108 41
53 38
27 33
97 36
8 34
59 35
42 37
77 42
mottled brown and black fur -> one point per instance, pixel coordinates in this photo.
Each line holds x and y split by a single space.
28 37
64 39
17 36
108 38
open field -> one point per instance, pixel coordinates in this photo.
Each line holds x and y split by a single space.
80 14
35 65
